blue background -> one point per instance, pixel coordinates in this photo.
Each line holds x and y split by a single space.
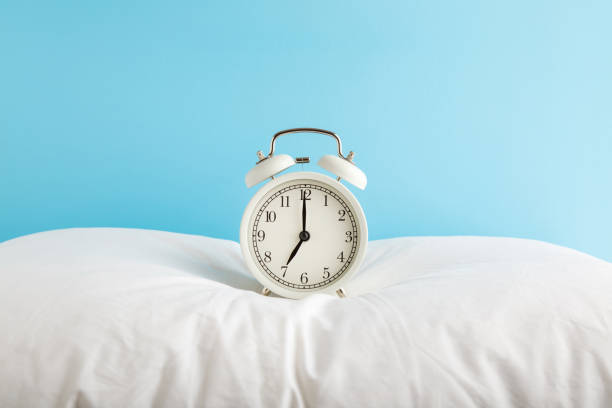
479 118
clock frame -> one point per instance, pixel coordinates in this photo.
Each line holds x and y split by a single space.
358 222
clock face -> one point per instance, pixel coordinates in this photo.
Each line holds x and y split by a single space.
305 234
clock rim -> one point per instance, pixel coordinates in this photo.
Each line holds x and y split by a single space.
275 286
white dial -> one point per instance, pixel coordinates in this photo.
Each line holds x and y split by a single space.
305 232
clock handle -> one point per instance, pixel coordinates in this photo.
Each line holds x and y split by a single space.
340 165
307 130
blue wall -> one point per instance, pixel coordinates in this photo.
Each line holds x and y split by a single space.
468 117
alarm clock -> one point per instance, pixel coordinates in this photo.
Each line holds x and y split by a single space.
304 232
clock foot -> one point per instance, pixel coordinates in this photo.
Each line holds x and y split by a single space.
340 292
265 291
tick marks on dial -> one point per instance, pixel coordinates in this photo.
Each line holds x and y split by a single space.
283 276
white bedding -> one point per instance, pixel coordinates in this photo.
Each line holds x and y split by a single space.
116 317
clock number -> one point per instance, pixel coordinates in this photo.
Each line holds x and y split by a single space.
261 235
349 236
284 201
326 272
341 256
267 256
325 204
305 194
304 278
284 270
270 216
341 213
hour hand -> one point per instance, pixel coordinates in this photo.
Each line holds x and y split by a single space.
294 252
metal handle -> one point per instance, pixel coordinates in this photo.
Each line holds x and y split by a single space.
307 130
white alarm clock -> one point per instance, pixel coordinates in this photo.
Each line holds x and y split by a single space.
304 232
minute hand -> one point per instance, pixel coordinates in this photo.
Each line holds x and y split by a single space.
304 214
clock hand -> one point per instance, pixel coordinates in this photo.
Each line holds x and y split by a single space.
304 235
304 214
294 251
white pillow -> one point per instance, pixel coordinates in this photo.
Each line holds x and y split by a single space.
117 317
